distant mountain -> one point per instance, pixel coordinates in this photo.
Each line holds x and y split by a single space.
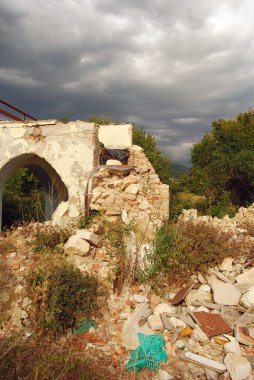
179 169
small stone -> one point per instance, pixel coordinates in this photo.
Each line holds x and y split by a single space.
164 308
232 347
238 367
140 298
113 162
133 188
163 375
77 246
224 293
155 322
13 254
247 299
89 236
227 264
18 289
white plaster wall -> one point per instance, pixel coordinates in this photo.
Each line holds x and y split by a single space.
71 149
116 136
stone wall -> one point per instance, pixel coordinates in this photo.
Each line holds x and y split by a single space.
139 196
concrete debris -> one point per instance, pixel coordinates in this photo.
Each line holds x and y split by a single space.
89 236
224 293
238 366
205 362
76 246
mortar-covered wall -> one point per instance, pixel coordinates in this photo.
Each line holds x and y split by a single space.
116 136
66 152
139 197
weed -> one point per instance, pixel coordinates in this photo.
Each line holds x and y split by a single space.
61 294
116 241
183 249
50 237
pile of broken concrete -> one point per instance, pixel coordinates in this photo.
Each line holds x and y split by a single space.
208 327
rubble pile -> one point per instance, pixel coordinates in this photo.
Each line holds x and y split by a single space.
138 196
207 326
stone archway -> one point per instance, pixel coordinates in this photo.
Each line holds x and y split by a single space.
55 190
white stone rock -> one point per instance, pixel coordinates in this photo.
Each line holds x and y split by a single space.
113 162
227 264
77 246
140 298
177 322
247 299
131 327
155 322
133 188
163 375
164 308
89 236
232 347
199 335
246 278
224 293
125 217
60 212
238 367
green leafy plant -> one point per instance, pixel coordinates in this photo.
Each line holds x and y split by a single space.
181 250
62 293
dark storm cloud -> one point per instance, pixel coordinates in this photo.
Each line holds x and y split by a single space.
169 66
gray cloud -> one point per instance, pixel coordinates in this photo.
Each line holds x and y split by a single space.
169 66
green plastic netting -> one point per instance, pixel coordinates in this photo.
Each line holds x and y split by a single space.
83 327
149 354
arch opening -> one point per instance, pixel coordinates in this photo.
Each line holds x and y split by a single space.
50 189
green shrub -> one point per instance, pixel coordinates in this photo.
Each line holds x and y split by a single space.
181 250
62 294
49 237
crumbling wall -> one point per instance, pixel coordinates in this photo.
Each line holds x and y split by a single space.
139 197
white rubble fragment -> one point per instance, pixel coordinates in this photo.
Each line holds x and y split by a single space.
164 308
140 298
113 162
77 246
60 212
163 375
155 322
238 367
132 188
247 277
247 299
205 362
224 293
89 236
199 335
227 264
232 347
131 327
177 322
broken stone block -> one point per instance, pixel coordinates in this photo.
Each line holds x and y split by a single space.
243 336
246 277
232 347
247 299
131 327
132 189
199 335
224 293
227 264
155 322
164 308
163 375
238 367
76 246
113 162
179 297
177 322
166 321
89 236
140 298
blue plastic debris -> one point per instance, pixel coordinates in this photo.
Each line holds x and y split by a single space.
83 327
149 354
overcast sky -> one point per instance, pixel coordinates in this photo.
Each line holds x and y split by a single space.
170 66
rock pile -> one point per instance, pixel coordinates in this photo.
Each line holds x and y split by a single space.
138 196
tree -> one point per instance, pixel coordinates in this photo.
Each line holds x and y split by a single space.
161 163
223 161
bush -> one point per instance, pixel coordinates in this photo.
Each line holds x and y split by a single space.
181 250
62 294
49 237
